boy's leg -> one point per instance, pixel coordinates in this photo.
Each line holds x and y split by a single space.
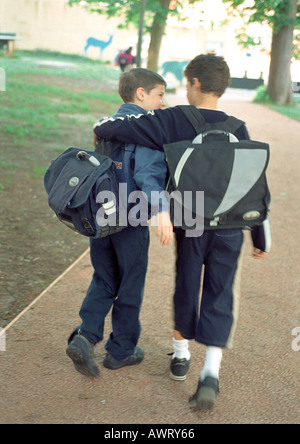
96 305
186 299
103 289
131 246
188 281
218 311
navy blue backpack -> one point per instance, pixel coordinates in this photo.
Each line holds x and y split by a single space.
83 191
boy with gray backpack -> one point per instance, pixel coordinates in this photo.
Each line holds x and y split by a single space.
217 249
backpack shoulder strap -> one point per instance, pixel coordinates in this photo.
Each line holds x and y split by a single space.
230 125
107 147
194 116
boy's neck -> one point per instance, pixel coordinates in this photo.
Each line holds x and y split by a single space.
135 103
131 103
207 101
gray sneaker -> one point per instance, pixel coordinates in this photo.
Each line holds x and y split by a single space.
81 351
179 368
206 394
113 364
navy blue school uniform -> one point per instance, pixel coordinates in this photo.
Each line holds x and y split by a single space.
120 260
216 253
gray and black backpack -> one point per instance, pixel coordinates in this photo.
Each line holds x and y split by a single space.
230 173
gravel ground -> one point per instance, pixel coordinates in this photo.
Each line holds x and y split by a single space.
259 377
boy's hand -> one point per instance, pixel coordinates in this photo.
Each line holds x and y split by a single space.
165 228
259 254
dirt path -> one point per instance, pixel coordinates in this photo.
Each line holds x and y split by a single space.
259 377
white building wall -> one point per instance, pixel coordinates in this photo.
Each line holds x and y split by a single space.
53 25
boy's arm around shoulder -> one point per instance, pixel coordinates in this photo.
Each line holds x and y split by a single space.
152 130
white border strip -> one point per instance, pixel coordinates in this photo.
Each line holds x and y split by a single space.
45 291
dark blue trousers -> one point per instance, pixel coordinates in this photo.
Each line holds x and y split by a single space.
211 321
120 264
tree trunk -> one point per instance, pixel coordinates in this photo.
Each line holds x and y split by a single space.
280 82
157 32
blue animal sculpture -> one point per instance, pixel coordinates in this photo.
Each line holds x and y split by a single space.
101 44
176 68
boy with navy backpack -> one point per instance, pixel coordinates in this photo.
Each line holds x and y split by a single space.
216 251
120 260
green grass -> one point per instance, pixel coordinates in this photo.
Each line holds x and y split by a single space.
292 111
31 62
37 110
45 109
38 101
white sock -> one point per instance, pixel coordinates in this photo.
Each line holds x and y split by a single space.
181 349
212 363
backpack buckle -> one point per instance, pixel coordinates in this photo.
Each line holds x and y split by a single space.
215 222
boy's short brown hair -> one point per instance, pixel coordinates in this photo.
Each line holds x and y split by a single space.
138 78
212 72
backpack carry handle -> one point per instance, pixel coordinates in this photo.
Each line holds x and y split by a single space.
82 155
201 137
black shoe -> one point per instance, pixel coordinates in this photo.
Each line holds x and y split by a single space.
206 394
179 368
113 364
81 351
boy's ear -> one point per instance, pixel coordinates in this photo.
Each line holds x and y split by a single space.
196 83
140 94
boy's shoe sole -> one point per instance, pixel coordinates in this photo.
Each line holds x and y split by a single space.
81 351
206 395
179 369
113 364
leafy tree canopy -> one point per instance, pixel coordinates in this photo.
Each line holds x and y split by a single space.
272 12
130 9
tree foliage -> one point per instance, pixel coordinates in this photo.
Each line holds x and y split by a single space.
272 12
284 18
129 9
